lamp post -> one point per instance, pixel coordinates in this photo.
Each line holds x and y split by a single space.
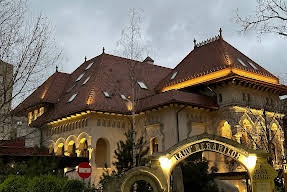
131 107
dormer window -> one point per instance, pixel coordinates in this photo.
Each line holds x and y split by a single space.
252 65
123 97
80 77
89 66
72 97
142 85
106 94
71 88
173 75
241 62
86 80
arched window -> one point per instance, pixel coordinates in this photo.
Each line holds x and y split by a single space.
84 148
154 145
51 150
72 149
60 150
224 130
101 157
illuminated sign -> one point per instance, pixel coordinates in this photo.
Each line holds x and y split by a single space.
206 146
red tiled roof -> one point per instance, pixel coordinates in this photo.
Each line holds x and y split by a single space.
113 74
108 73
175 96
208 57
48 92
17 148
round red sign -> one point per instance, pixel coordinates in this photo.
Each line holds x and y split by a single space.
84 170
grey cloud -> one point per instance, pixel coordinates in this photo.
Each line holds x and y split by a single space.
84 27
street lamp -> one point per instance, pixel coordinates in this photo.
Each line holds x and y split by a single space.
131 107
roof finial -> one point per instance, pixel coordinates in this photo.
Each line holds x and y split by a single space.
103 50
56 68
194 41
220 33
85 58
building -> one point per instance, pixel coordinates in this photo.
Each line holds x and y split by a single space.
215 89
6 87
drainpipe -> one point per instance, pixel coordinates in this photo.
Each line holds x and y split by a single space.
177 123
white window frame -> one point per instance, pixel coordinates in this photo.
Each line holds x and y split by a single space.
123 97
89 66
106 94
252 65
142 85
242 62
173 75
86 80
80 77
72 98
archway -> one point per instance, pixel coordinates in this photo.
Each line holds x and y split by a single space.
102 153
260 172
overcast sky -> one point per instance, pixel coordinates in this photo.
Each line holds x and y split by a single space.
83 27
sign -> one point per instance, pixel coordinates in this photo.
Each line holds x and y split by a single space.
206 146
84 170
261 174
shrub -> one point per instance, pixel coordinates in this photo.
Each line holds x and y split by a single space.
73 186
14 183
46 183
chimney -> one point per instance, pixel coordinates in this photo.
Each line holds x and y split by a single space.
148 60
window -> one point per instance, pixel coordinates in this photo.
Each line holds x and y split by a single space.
35 114
80 77
1 79
72 97
86 80
30 116
241 62
70 89
123 97
106 94
173 75
219 97
252 65
89 66
154 145
142 85
41 111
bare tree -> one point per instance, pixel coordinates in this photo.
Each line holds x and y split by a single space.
270 17
132 48
264 130
27 44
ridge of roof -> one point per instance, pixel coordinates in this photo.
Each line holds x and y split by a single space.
221 55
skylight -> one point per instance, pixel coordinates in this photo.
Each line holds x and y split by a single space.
241 62
106 94
173 75
80 77
86 80
72 97
89 66
70 89
123 97
250 63
142 85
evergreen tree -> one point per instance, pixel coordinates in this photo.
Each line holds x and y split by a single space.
124 153
124 157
